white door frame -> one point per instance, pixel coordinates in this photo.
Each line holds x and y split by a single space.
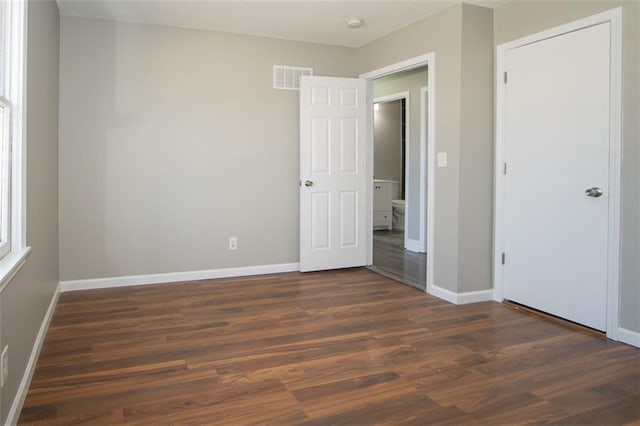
426 126
614 17
427 142
407 124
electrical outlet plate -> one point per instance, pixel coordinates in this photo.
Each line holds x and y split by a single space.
4 365
233 243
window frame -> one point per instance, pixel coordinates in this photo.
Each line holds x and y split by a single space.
5 177
13 73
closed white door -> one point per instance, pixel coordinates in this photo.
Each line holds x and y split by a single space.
557 175
333 177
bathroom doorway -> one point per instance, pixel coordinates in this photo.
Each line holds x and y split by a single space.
399 190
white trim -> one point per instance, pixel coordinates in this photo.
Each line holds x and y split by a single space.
614 17
615 177
498 183
629 337
23 388
428 60
19 195
369 157
18 86
461 298
411 244
424 101
392 97
431 171
5 178
409 64
131 280
11 264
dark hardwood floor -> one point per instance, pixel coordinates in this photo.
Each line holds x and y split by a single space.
341 347
391 259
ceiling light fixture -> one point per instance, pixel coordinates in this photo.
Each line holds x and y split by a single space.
355 23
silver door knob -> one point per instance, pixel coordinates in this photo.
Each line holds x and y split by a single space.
593 192
308 183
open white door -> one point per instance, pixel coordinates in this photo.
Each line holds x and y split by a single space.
333 176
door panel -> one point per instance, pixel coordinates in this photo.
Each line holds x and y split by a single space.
348 215
557 146
320 215
349 145
320 145
332 173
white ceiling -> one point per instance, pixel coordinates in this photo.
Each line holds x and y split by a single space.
302 20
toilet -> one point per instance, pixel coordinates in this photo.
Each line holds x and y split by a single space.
398 214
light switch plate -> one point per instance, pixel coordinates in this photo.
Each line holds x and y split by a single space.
442 159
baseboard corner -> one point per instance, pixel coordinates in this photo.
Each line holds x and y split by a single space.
461 298
23 388
415 246
629 337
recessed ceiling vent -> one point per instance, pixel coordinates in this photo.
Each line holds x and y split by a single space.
288 78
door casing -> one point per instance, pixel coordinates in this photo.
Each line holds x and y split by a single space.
614 17
427 145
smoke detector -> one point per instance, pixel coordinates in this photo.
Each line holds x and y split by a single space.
355 23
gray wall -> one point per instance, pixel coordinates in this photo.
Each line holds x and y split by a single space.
26 299
410 81
387 138
459 35
518 19
475 196
173 140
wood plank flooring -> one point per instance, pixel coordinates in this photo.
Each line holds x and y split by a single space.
390 258
340 347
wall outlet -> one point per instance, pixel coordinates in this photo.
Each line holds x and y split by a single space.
233 243
4 365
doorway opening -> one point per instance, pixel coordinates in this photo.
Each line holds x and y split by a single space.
399 190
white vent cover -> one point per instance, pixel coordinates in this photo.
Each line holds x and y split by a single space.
285 77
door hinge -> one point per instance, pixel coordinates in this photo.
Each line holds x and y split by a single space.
503 257
504 170
505 77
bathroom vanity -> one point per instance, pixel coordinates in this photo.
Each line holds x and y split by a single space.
383 192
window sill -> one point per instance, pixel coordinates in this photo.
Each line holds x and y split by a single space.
10 265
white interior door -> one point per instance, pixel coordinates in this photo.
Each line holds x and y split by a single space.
333 175
556 150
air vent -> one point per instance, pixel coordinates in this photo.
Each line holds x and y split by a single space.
288 78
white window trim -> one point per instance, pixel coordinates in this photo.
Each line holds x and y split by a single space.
15 259
5 185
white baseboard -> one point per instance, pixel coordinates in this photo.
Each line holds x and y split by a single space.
461 298
177 276
629 337
23 388
414 246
